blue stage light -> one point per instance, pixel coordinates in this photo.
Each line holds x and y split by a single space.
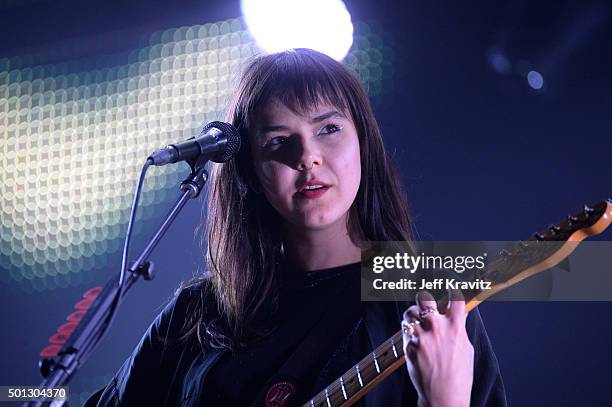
535 80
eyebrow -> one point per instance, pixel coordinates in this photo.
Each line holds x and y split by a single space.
334 113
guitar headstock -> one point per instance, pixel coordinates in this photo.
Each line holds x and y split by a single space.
581 221
542 250
511 267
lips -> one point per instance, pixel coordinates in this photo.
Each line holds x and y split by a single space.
313 189
307 186
314 193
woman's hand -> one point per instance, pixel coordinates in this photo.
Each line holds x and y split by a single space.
438 352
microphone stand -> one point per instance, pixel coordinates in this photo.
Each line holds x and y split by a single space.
91 328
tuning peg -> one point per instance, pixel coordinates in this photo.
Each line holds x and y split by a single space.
588 210
571 219
554 228
504 253
522 245
538 236
609 201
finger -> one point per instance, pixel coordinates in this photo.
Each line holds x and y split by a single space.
426 319
410 336
412 313
456 306
410 347
426 301
411 328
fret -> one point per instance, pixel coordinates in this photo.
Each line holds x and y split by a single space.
364 373
394 349
327 398
343 389
376 362
508 269
359 375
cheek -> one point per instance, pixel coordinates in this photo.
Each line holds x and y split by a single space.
265 170
272 177
348 166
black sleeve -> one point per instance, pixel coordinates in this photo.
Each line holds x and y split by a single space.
488 388
149 375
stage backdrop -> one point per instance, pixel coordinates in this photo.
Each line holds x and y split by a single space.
498 118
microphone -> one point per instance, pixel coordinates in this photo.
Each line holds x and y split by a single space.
218 142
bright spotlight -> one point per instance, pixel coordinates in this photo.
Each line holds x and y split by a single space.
535 80
278 25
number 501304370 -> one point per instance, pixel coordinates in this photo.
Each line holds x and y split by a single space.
33 393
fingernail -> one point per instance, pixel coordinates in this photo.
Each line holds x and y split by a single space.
456 295
424 296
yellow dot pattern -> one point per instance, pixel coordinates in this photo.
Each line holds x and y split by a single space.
72 144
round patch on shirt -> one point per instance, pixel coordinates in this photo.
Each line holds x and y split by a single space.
279 394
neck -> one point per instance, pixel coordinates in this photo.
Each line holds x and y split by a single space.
309 250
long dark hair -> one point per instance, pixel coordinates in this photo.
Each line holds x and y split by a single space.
243 239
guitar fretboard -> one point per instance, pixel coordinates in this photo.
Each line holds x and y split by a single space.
540 252
362 375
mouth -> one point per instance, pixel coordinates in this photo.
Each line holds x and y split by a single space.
314 191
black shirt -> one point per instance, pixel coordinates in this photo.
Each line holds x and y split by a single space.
322 330
305 298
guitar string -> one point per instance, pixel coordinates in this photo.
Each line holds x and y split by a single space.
366 363
366 368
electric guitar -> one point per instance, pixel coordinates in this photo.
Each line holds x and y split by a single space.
510 266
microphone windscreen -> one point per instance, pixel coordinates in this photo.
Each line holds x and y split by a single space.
232 145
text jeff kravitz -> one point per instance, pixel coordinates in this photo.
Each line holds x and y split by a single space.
435 284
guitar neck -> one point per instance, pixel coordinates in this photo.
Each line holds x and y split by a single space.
510 267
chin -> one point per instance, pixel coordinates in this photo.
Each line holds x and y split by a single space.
318 221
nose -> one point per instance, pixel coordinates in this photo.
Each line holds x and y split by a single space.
307 163
308 156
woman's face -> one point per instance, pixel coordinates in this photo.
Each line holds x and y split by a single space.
293 151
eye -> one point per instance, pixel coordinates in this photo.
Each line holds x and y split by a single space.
275 141
330 129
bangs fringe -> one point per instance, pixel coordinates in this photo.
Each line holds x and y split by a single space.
297 79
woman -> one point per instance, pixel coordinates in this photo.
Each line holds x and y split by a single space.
278 316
